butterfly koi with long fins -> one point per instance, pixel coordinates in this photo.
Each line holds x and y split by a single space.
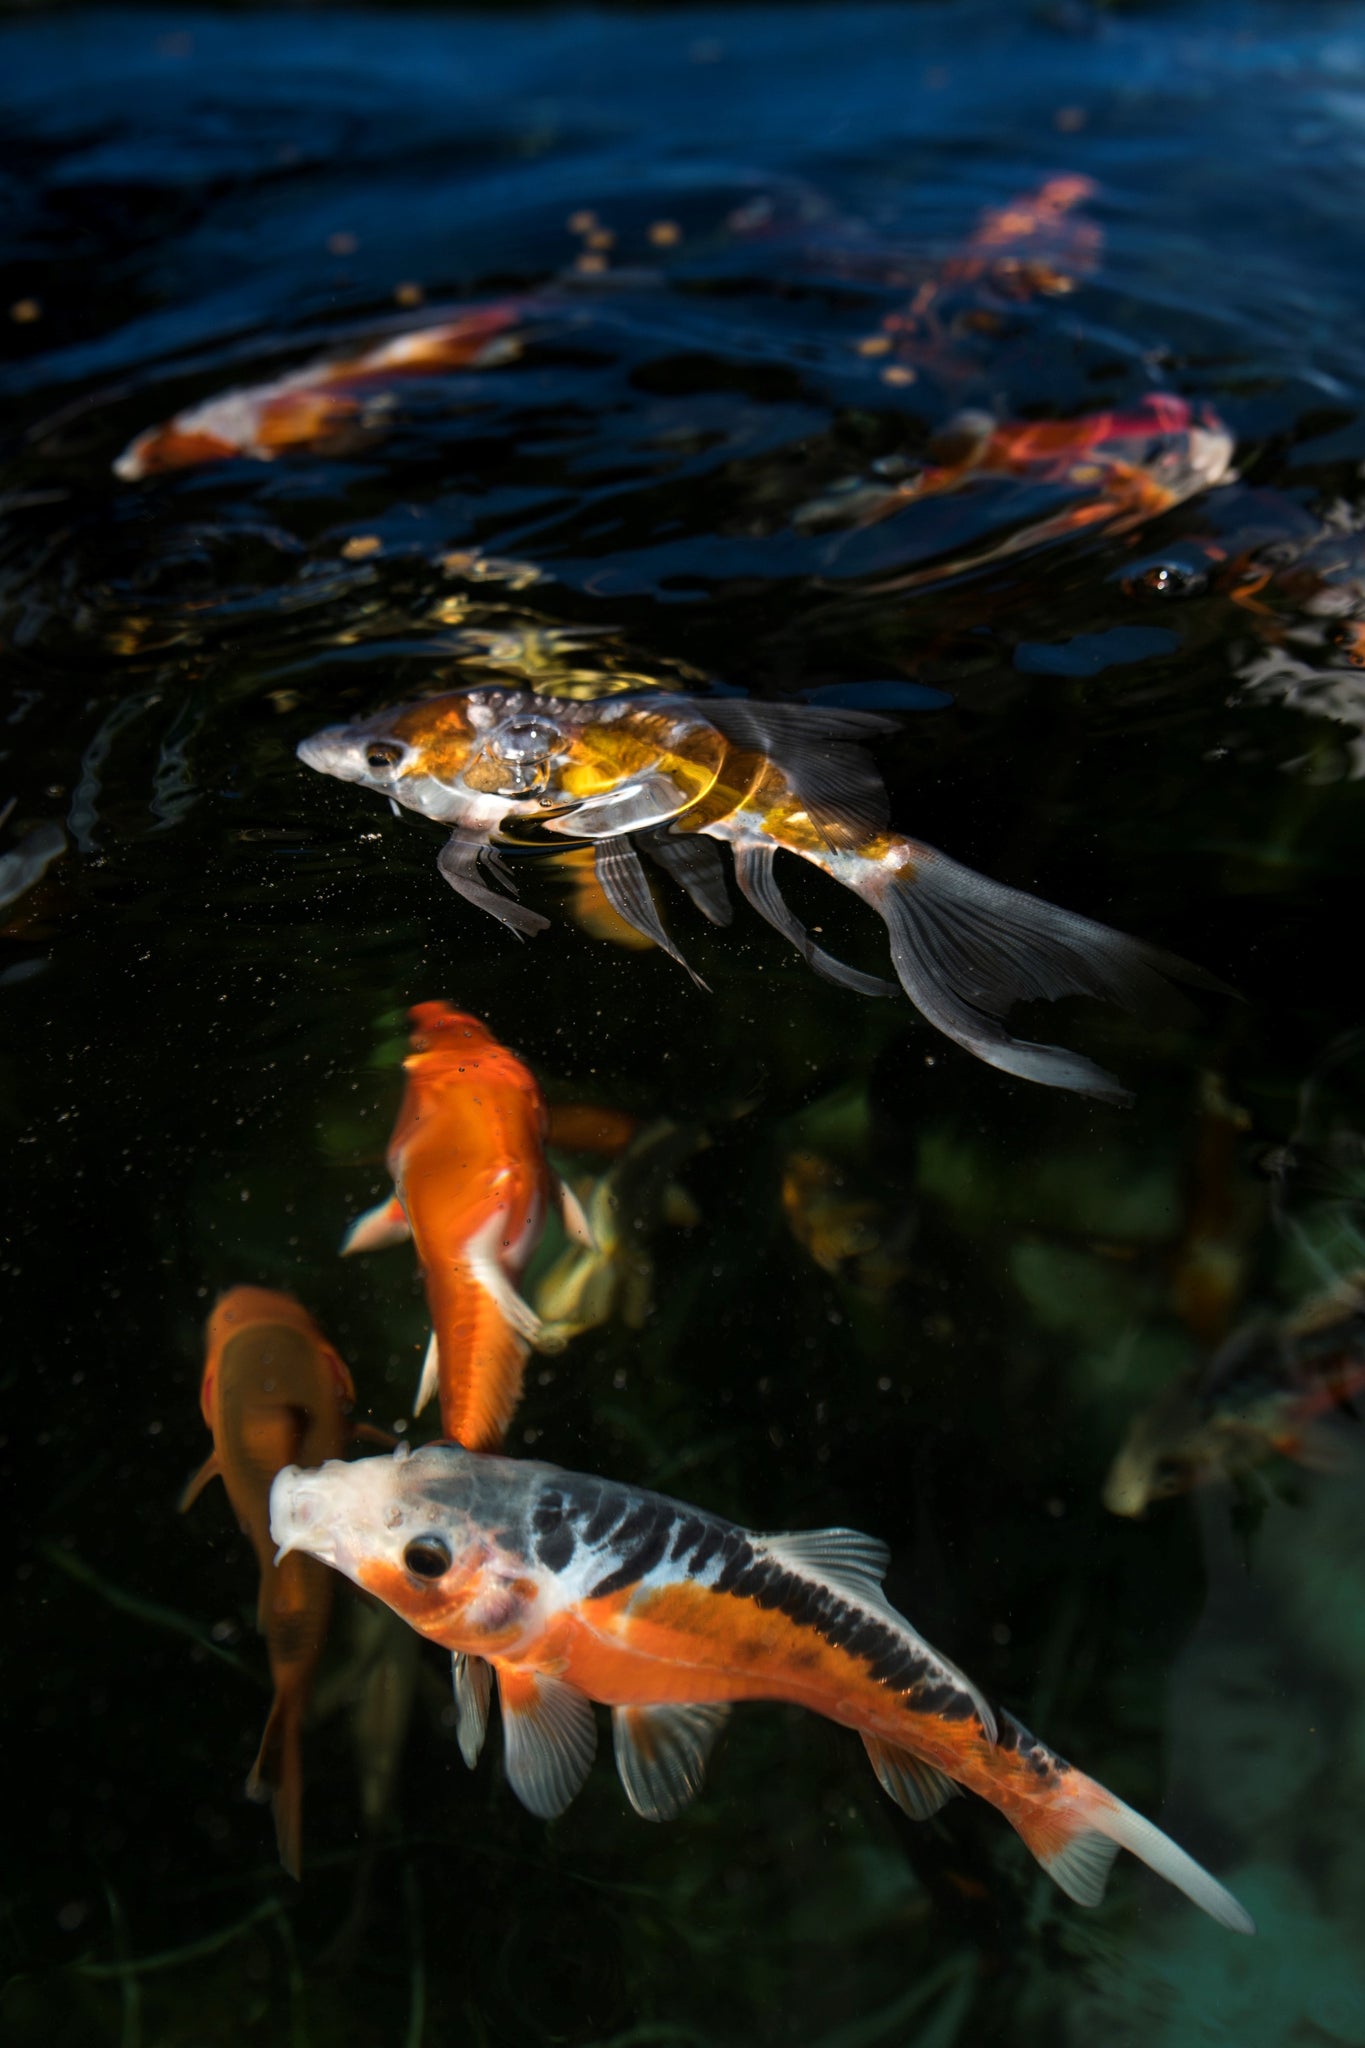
667 775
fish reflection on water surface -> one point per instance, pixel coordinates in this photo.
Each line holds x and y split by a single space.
667 775
575 1590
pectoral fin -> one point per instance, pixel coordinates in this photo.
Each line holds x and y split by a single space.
626 887
210 1469
431 1375
550 1737
473 1682
378 1228
917 1788
459 861
661 1754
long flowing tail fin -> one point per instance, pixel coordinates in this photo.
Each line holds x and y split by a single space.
967 949
1077 1836
277 1775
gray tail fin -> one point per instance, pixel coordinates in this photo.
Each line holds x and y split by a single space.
967 949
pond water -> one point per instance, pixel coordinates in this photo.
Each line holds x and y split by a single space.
742 301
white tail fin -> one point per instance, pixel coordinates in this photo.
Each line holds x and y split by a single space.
1077 1836
967 949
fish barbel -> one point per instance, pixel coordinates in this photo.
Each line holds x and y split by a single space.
666 775
575 1590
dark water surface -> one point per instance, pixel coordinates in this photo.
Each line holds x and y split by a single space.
202 1000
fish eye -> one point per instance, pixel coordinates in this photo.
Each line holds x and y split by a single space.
428 1557
382 754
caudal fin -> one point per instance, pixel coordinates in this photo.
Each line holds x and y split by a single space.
1077 1835
967 949
277 1775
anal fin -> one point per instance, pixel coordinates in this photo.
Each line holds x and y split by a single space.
918 1788
662 1752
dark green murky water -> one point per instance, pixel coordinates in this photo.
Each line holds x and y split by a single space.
202 999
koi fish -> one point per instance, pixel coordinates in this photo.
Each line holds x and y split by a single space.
1035 244
275 1391
1125 466
844 1231
1266 1390
577 1590
326 402
666 775
473 1189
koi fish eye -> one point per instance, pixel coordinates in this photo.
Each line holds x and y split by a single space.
382 755
428 1557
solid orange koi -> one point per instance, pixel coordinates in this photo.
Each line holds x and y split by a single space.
576 1590
472 1189
325 403
274 1392
666 775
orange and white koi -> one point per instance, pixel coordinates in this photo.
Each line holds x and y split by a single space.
576 1590
325 403
274 1392
666 775
473 1189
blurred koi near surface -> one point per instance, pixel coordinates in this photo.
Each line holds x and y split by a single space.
328 403
577 1590
843 1229
274 1392
667 776
1125 467
1268 1390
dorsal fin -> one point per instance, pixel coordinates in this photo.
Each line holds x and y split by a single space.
817 750
855 1563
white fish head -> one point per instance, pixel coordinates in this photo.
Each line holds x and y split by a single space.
465 759
414 1529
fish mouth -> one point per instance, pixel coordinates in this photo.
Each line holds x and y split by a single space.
299 1517
327 753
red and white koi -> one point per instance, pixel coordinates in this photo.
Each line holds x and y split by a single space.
576 1590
